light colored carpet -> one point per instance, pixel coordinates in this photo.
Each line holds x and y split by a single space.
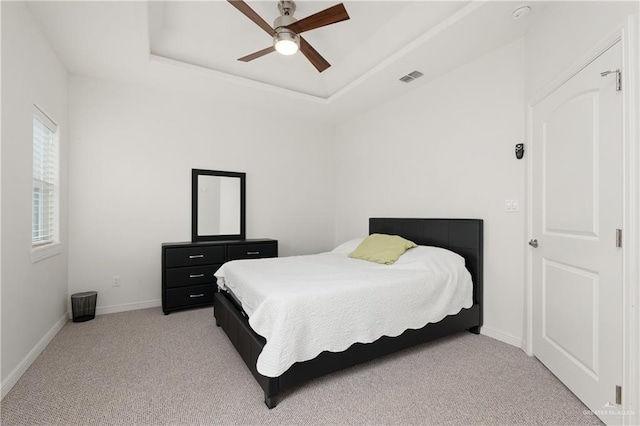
142 367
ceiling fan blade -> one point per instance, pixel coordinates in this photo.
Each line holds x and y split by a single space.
328 16
313 56
251 14
256 55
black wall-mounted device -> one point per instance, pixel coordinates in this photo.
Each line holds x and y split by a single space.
519 151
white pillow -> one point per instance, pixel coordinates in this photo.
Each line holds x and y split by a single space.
348 246
427 255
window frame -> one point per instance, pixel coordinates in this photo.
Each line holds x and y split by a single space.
51 246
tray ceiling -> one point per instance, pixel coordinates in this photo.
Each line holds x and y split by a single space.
192 48
214 35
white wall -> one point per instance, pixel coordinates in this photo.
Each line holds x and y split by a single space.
34 295
131 154
447 150
564 32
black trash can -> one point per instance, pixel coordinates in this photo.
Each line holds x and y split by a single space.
83 306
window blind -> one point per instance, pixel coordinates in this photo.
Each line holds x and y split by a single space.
45 180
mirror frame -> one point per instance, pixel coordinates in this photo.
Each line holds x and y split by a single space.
195 237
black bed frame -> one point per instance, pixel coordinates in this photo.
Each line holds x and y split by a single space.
463 236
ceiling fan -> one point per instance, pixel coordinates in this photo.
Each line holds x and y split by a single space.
286 30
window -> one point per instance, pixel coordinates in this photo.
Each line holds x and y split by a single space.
45 193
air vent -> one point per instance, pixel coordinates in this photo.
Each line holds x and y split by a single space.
411 76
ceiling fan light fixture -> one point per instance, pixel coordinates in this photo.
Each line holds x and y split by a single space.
286 28
286 43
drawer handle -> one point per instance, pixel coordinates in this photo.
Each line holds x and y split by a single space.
196 275
197 295
253 252
196 256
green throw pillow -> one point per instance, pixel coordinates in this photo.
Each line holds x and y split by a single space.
382 248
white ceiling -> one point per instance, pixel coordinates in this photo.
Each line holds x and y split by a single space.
193 47
214 35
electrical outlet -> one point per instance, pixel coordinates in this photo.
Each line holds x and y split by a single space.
116 280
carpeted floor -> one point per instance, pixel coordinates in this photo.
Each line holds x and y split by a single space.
144 368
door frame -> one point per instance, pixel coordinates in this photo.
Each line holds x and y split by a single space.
627 34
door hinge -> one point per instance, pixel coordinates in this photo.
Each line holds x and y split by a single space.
618 238
618 395
618 78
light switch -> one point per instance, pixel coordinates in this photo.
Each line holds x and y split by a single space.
511 206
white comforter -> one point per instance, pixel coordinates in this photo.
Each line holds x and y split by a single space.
305 305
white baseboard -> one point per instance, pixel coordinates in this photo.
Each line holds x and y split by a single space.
503 337
26 362
102 310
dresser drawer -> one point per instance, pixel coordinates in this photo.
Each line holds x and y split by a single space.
193 256
192 275
188 269
189 296
252 251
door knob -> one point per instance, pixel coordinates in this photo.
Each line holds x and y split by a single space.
533 243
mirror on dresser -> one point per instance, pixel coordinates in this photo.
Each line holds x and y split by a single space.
217 205
217 236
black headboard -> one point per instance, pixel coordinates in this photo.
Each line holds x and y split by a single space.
462 236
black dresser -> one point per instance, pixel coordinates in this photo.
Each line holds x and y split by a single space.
188 269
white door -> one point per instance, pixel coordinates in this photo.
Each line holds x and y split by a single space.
577 207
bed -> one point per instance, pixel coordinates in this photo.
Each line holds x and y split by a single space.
461 236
